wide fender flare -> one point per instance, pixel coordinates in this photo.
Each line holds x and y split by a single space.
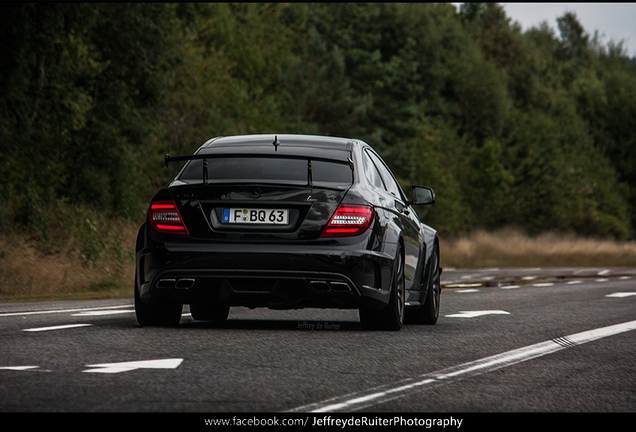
430 238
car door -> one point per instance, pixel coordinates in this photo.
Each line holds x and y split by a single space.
395 202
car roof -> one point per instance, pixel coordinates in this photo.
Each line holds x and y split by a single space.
283 139
281 144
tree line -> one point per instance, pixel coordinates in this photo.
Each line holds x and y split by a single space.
529 129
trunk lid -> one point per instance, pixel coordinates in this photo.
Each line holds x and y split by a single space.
251 198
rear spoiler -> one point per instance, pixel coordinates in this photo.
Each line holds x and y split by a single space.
169 159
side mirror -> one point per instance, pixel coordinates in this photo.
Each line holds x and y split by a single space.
422 195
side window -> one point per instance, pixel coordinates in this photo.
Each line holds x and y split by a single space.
391 185
371 172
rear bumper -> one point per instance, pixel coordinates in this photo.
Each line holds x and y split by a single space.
268 275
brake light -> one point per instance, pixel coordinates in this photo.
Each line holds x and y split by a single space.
349 220
165 217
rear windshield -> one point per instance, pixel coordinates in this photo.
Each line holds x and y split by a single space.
268 169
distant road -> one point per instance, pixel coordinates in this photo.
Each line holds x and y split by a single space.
508 340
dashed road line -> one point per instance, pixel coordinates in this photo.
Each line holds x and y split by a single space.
172 363
102 312
474 314
18 368
55 311
59 327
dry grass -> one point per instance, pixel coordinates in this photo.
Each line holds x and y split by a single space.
28 274
511 248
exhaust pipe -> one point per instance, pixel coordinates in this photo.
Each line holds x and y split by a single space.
324 286
185 283
339 287
166 283
319 286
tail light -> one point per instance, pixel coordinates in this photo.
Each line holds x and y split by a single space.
349 220
165 217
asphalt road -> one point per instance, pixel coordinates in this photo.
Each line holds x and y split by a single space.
507 341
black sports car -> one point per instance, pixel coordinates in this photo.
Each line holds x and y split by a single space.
284 222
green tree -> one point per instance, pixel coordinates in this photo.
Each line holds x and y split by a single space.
522 128
487 185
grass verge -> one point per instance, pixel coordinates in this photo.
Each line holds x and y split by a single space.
512 248
99 267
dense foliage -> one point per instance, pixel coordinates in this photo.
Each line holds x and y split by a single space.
530 129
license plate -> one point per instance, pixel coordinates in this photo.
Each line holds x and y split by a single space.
256 216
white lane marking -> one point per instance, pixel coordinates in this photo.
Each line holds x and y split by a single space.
463 285
464 291
129 366
473 314
102 312
603 272
547 284
602 280
511 287
7 314
59 327
574 282
528 277
621 294
385 393
18 368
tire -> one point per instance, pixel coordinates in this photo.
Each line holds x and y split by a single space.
209 312
429 312
160 312
390 317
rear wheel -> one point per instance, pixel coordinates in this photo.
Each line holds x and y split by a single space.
158 312
390 317
429 312
209 312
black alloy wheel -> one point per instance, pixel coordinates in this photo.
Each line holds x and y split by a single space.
390 317
160 312
429 312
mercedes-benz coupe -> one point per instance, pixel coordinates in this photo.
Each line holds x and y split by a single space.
284 222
